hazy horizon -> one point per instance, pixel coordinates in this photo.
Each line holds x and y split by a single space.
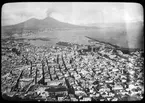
80 13
129 16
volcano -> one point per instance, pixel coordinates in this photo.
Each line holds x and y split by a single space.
34 24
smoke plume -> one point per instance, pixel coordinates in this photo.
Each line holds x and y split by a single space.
50 11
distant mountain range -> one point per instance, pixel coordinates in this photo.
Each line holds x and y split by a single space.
115 24
131 32
36 24
50 23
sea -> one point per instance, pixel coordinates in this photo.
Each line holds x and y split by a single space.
127 37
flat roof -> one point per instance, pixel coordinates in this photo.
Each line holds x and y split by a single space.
57 89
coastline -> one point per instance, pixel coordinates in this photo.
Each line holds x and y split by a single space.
116 46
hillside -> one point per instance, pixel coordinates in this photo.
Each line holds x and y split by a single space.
35 25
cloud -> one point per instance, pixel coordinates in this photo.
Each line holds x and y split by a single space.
76 13
13 13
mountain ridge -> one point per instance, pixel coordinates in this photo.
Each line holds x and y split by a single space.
34 24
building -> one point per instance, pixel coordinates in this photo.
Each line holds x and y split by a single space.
57 88
57 91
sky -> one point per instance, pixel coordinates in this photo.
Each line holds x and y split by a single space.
79 13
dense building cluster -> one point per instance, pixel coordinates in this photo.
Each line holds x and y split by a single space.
97 72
